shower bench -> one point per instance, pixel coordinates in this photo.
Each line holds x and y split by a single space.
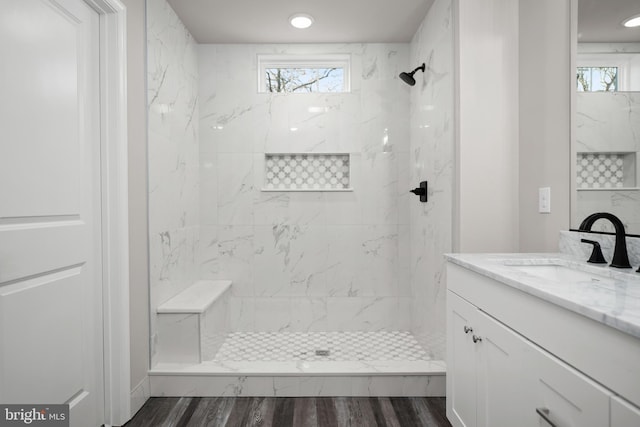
194 323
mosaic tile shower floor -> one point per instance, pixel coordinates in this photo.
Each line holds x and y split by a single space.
334 356
313 347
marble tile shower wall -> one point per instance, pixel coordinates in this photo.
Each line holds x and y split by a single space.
173 152
432 158
306 261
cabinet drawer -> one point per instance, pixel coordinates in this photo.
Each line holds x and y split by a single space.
624 414
564 396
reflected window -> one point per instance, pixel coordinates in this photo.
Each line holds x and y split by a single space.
597 79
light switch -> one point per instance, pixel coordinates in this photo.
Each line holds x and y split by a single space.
544 200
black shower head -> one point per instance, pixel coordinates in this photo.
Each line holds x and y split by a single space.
408 77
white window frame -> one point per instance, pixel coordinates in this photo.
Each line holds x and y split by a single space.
342 61
593 60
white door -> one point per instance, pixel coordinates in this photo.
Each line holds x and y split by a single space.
50 231
623 413
502 389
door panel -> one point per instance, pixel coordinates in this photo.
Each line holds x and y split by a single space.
623 413
461 362
50 230
48 307
41 119
502 391
34 248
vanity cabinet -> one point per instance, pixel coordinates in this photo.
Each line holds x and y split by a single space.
512 358
483 369
562 396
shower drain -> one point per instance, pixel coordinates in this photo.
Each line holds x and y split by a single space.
322 352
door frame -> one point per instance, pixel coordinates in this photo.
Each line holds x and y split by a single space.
115 214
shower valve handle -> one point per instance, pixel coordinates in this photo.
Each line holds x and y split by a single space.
421 191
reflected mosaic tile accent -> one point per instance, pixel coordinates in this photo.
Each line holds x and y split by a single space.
321 346
600 170
291 172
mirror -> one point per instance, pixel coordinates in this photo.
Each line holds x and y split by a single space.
607 114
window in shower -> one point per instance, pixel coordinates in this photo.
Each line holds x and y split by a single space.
304 73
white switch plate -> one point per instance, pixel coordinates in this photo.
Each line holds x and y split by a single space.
544 200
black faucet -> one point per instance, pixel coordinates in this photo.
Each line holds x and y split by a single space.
620 257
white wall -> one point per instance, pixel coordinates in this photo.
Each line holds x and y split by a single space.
312 261
547 82
138 247
487 123
432 159
515 82
173 150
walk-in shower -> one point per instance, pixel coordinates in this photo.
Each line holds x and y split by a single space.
287 254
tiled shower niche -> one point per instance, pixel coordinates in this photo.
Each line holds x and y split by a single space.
307 172
604 171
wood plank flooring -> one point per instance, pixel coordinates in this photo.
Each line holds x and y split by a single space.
292 411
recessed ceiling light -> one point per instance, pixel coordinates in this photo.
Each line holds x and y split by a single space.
301 20
634 21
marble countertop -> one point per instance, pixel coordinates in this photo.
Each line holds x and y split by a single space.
612 299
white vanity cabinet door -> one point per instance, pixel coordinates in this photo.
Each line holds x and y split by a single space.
565 397
461 362
624 414
484 369
502 390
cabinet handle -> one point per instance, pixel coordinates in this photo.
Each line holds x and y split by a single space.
476 338
544 414
467 329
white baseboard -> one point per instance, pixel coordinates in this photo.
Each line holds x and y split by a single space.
140 394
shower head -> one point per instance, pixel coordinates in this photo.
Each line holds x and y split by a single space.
408 77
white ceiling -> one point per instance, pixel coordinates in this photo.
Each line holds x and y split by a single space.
267 21
360 21
601 21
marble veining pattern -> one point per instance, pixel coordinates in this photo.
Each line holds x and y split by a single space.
608 47
622 203
366 260
430 158
194 384
173 151
613 300
608 122
570 244
305 261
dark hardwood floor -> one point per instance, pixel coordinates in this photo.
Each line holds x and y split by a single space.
292 411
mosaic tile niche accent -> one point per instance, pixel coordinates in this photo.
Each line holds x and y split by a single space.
307 172
605 170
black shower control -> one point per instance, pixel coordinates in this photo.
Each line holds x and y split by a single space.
421 191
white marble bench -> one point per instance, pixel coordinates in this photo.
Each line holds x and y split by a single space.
193 324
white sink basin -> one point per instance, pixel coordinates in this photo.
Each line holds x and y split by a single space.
560 273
